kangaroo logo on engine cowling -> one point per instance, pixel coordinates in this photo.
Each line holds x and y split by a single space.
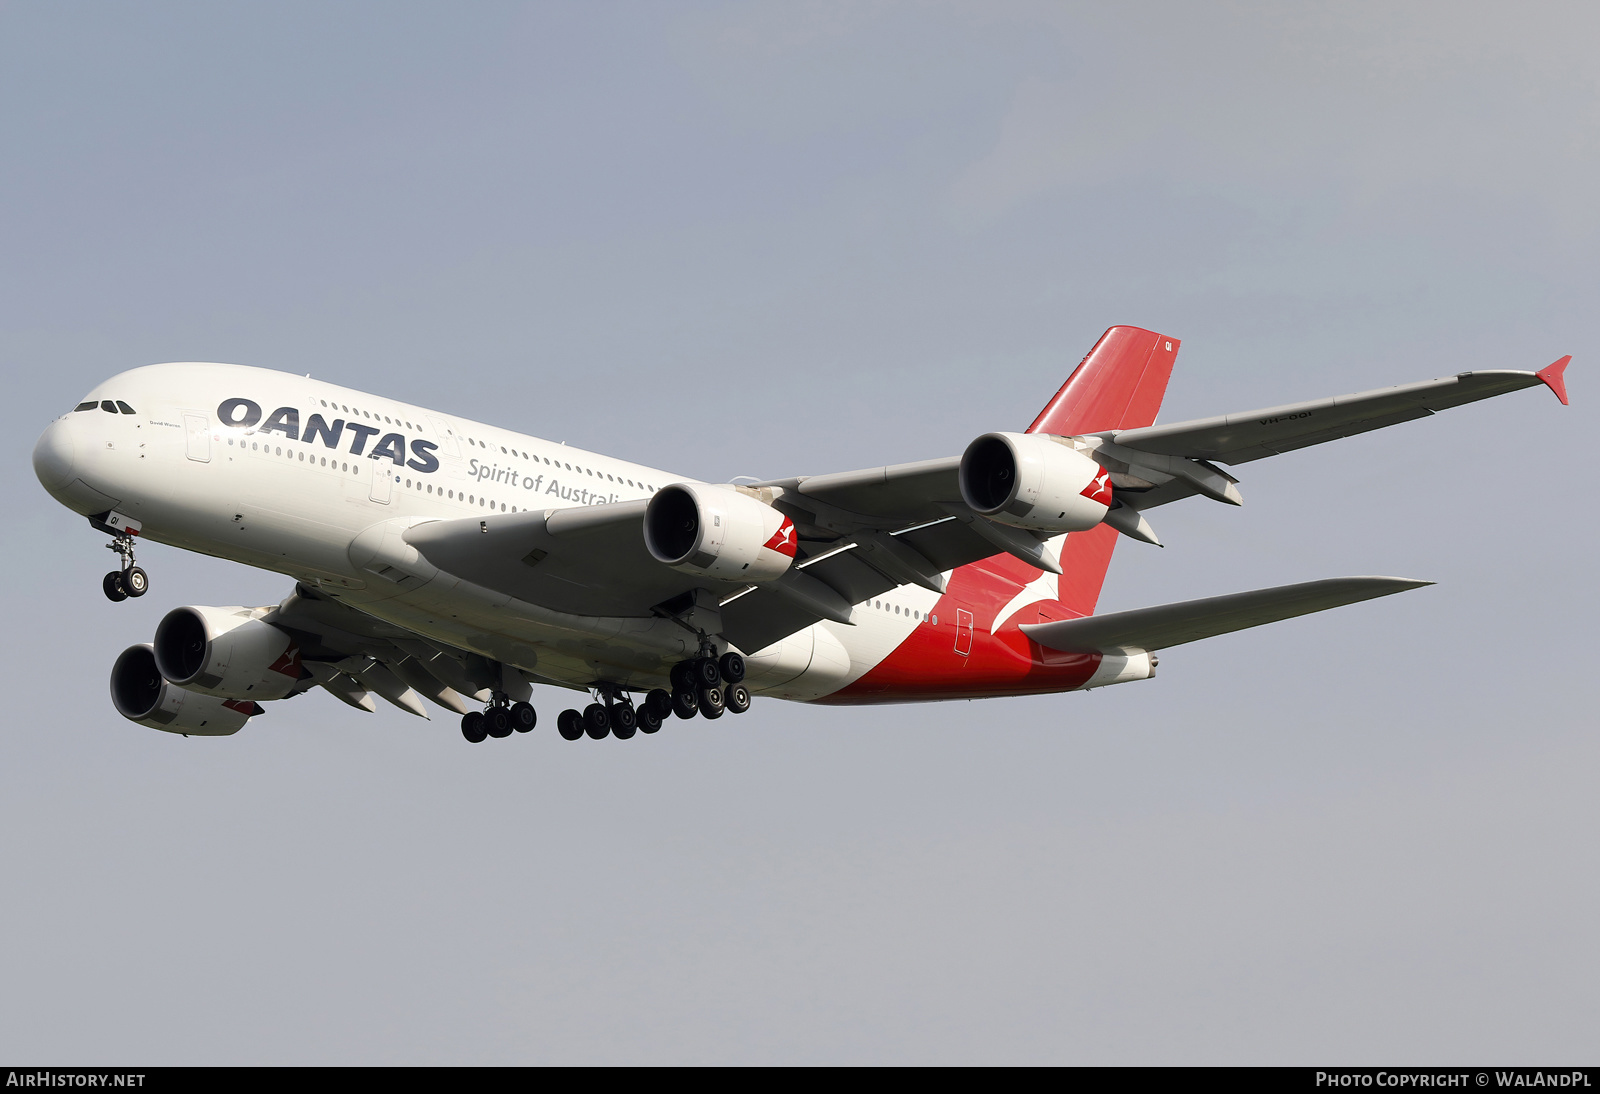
246 414
783 540
1099 488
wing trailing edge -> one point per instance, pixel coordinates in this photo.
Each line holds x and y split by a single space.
1191 620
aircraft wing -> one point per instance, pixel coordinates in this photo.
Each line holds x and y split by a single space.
1240 438
861 534
1158 464
1191 620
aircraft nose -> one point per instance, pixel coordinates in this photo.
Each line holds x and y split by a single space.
53 456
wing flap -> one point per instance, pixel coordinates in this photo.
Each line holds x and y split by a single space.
1191 620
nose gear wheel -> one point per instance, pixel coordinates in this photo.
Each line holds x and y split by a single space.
128 581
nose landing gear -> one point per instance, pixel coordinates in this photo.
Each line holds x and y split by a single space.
130 580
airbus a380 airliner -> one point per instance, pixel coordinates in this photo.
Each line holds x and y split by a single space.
444 559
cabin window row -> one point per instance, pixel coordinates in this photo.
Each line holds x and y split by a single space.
882 607
373 416
277 450
450 494
557 463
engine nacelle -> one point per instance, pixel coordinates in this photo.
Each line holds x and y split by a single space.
1034 481
141 695
226 652
718 532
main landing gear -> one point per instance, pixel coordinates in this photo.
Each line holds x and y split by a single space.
130 580
705 686
709 686
613 716
499 719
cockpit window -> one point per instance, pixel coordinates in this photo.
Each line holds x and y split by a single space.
108 406
125 408
90 405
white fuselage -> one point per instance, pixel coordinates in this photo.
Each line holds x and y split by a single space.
287 473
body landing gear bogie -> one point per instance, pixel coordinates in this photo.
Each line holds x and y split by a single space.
614 714
708 685
499 719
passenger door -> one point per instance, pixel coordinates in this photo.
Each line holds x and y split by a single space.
383 478
197 428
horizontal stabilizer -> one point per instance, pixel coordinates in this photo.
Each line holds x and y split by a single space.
1191 620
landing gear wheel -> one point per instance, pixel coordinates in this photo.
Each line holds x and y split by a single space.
683 676
624 722
523 717
569 723
114 589
731 667
737 697
649 720
659 701
473 727
596 721
136 581
712 703
685 704
707 674
498 719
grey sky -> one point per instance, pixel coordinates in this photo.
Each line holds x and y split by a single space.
780 238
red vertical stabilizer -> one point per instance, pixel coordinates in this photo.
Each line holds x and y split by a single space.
1118 385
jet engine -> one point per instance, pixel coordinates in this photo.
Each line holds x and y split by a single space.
718 532
226 652
141 695
1034 481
